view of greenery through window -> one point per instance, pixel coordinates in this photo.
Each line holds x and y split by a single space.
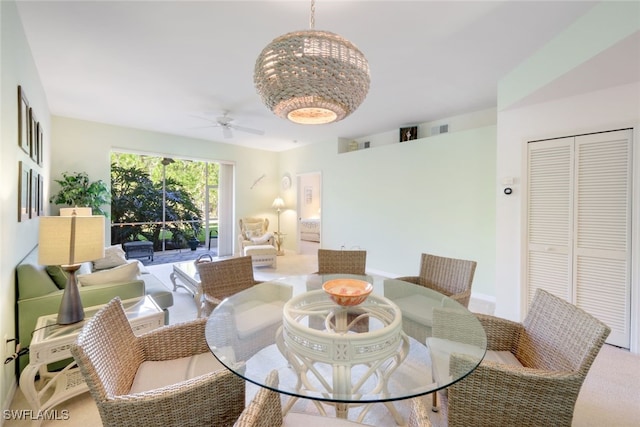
162 200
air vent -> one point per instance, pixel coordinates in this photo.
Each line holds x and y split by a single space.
436 130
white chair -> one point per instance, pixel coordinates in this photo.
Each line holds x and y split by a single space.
253 232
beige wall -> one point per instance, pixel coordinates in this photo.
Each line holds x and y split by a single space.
16 238
529 111
433 194
91 144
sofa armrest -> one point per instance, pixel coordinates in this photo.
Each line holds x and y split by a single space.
30 309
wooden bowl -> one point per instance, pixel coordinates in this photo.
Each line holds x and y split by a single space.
347 292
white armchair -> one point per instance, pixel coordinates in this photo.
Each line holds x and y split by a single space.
254 231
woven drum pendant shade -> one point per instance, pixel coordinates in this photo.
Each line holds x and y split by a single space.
312 77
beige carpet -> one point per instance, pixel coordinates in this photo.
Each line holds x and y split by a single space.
610 395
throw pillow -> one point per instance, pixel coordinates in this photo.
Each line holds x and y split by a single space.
114 256
121 274
59 276
264 238
253 229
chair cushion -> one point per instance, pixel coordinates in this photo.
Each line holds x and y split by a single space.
440 351
156 374
416 308
254 316
296 419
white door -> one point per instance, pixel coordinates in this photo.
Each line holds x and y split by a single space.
578 226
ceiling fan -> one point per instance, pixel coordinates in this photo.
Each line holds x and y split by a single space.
225 122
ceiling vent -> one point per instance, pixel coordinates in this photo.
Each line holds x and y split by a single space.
436 130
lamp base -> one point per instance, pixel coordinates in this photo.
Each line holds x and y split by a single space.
71 310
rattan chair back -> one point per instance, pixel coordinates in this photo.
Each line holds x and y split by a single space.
449 276
223 278
342 261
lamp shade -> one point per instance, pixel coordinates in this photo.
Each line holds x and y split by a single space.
69 240
278 203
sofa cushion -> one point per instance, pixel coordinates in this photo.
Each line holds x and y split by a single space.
33 281
124 273
114 256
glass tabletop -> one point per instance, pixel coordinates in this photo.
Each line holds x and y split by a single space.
372 352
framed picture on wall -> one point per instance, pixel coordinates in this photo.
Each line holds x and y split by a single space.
308 195
40 195
33 134
24 140
40 143
33 194
408 133
23 192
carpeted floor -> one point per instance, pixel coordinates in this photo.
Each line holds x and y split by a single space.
610 395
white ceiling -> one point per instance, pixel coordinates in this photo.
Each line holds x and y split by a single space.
156 64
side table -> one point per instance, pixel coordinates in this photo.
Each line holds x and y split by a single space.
51 343
189 279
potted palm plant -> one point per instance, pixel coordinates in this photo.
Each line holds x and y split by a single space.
77 190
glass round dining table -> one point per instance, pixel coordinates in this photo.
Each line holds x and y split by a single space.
395 345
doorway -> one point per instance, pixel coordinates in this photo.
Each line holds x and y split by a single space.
171 202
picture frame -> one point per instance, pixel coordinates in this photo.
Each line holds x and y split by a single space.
308 195
24 137
33 135
40 144
33 193
40 195
408 133
23 192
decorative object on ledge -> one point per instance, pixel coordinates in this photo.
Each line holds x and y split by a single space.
408 133
77 190
68 241
312 77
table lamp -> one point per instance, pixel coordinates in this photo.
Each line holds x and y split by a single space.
68 241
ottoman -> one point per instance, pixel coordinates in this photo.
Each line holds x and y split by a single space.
262 255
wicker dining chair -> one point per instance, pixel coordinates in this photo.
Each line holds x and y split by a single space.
342 261
223 278
166 377
450 276
265 410
532 372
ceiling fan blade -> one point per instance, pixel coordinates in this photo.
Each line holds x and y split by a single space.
248 130
226 132
213 122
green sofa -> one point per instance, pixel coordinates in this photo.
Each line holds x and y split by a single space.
38 295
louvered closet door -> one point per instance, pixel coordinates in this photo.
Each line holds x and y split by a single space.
550 169
579 225
601 279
